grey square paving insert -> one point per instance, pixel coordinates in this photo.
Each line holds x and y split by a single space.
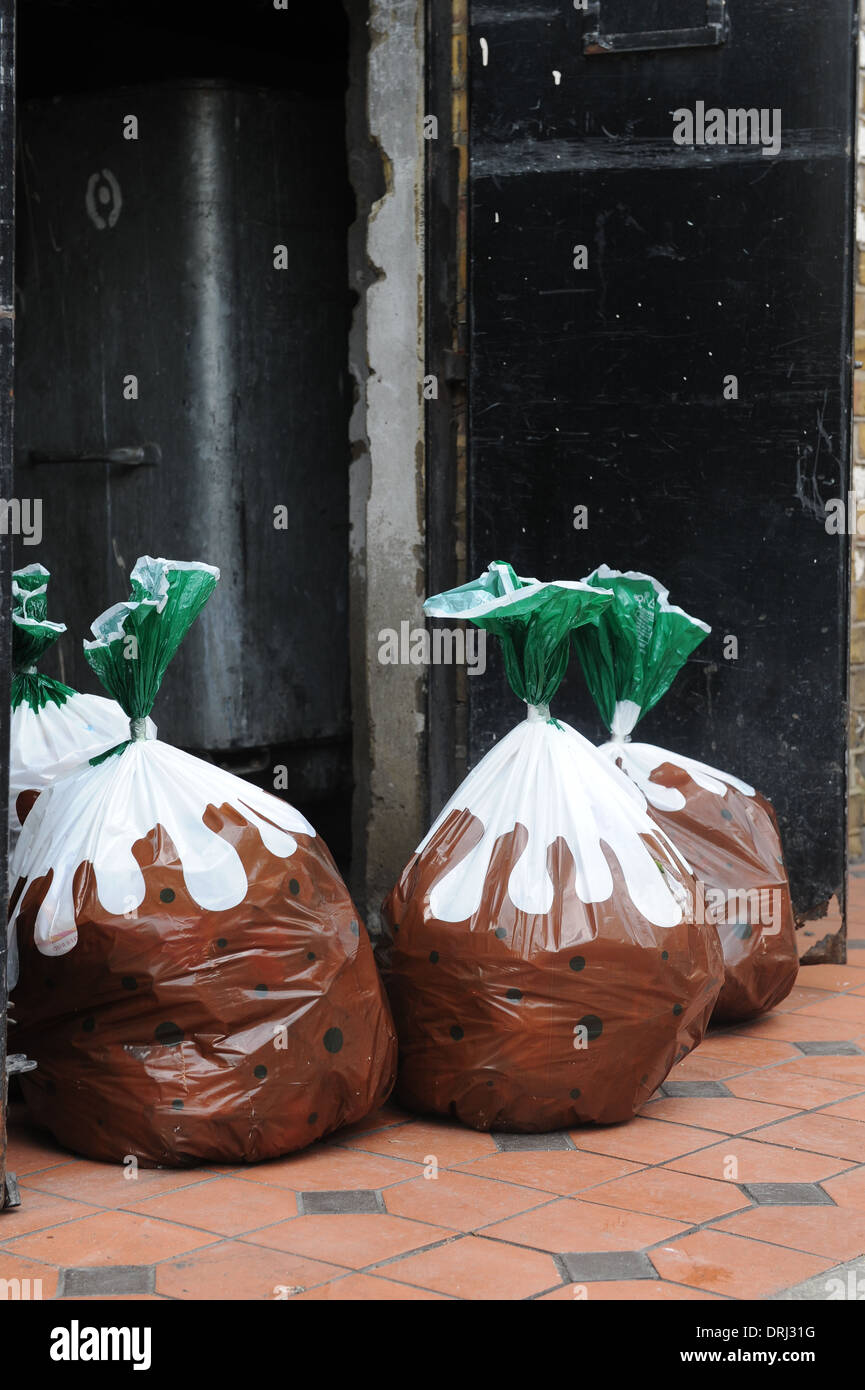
107 1279
695 1088
787 1194
359 1201
529 1143
829 1049
845 1281
587 1267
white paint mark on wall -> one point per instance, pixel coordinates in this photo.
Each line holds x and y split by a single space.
485 52
557 77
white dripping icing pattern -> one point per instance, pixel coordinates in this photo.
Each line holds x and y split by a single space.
53 740
98 813
640 760
553 782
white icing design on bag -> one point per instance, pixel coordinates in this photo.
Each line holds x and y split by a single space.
549 779
97 814
640 760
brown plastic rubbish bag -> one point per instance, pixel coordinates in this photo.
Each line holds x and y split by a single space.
725 829
542 955
195 980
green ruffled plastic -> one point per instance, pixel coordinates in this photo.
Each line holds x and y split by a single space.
135 641
32 635
641 641
532 620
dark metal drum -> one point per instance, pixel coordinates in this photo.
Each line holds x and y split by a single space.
182 386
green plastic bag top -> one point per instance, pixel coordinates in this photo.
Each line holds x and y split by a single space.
532 620
32 635
135 641
632 656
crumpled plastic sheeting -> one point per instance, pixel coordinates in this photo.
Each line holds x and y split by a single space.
734 847
521 1020
186 1035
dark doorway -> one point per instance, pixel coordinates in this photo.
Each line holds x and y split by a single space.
182 379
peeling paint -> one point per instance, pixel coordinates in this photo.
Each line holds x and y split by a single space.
831 947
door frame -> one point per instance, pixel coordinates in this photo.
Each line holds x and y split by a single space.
446 383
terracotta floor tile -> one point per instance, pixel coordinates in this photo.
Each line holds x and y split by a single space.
757 1162
383 1118
112 1237
801 1092
235 1270
832 977
747 1052
104 1184
798 996
449 1143
351 1241
31 1151
699 1066
14 1267
799 1027
850 1068
836 1232
643 1141
571 1224
368 1288
851 1108
850 1007
37 1211
628 1290
475 1268
223 1205
848 1189
822 1133
679 1196
721 1113
560 1172
816 930
328 1168
734 1266
460 1201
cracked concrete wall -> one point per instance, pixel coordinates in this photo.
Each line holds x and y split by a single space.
386 168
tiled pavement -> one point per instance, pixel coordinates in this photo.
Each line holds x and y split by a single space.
744 1179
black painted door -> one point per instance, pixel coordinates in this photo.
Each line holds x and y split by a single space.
610 387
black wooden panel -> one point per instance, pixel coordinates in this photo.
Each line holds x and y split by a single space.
604 387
